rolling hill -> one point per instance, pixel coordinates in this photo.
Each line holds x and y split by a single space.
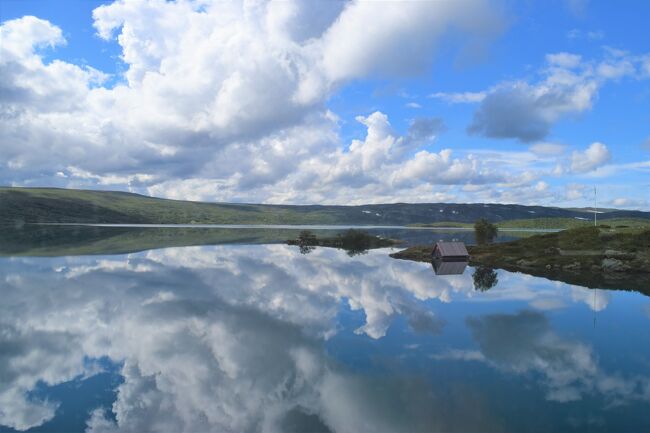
54 205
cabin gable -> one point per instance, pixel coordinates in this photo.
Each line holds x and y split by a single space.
450 251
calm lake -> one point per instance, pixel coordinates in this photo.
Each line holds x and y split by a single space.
111 329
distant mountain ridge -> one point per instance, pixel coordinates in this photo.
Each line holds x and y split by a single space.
55 205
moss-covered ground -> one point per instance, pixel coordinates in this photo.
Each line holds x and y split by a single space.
605 257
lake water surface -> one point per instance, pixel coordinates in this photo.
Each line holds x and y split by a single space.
255 336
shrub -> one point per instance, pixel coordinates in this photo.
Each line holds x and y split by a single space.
484 231
355 241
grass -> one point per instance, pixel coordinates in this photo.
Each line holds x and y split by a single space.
578 256
568 223
549 223
55 205
80 206
554 248
598 257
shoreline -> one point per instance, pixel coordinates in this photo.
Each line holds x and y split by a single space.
590 257
284 226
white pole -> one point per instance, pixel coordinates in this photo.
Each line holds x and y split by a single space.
595 212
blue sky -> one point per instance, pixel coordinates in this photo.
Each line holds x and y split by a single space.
330 102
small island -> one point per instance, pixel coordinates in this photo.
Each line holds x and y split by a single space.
353 241
596 257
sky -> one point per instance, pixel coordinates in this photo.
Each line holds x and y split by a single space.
330 102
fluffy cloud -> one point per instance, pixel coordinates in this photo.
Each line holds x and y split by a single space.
227 101
28 83
368 39
527 112
232 93
382 166
596 155
568 86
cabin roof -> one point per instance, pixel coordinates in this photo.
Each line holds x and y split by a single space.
452 249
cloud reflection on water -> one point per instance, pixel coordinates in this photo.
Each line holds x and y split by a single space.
525 342
231 339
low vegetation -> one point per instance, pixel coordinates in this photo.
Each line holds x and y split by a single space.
52 205
484 231
606 257
550 223
588 256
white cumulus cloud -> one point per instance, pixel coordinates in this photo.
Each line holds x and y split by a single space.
596 155
232 93
568 86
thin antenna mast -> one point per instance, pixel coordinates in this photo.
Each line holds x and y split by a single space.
595 212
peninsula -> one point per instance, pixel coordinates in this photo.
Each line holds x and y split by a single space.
597 257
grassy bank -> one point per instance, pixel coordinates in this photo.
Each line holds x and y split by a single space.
28 205
51 205
551 223
587 256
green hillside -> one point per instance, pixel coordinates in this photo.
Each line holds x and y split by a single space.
549 223
50 205
569 223
53 205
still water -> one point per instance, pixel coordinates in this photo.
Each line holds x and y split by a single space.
259 337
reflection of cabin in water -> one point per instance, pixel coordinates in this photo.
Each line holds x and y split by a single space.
451 267
450 251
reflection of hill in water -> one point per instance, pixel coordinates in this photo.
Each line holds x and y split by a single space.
53 241
34 240
83 240
231 338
